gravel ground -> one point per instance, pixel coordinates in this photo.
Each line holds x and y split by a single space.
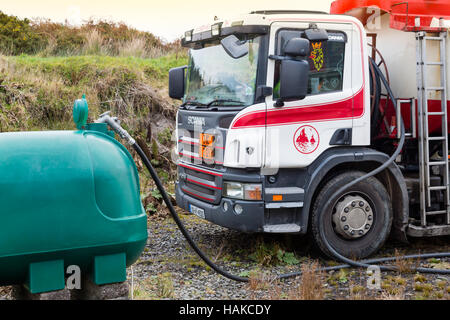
169 268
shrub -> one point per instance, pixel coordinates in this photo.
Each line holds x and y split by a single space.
17 36
100 37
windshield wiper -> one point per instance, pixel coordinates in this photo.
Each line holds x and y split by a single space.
218 101
196 104
193 103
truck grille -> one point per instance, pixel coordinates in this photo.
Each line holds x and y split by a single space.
200 183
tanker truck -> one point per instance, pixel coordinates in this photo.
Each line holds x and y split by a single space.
282 109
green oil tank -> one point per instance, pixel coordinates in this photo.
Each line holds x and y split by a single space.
68 198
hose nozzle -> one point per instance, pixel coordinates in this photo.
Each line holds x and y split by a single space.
114 123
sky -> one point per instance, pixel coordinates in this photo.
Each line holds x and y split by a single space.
168 19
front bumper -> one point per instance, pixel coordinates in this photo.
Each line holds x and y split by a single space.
251 220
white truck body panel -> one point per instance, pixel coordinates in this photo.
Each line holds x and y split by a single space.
349 108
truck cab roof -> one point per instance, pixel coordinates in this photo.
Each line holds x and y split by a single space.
256 22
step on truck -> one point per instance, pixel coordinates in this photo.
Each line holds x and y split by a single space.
281 109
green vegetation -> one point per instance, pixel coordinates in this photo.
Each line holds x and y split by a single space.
37 93
17 36
165 136
48 38
156 287
272 253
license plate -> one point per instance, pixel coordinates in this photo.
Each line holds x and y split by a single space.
197 211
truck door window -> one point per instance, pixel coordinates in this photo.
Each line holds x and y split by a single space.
326 62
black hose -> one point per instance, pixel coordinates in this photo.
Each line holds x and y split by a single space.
371 174
376 261
228 275
348 262
397 152
178 221
375 89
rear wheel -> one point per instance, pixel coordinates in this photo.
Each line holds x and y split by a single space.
357 222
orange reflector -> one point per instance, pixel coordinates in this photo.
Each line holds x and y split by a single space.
206 149
278 197
254 194
206 139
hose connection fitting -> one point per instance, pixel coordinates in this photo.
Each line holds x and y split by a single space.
114 123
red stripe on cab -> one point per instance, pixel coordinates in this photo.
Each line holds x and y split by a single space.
349 108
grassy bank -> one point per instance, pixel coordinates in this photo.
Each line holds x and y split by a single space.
45 66
37 93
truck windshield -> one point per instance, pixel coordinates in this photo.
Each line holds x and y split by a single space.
214 77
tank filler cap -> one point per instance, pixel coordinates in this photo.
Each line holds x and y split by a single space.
80 112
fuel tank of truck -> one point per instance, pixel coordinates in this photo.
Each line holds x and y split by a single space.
68 198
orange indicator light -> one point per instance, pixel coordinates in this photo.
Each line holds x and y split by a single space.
278 197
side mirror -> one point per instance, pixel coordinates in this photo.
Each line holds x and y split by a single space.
294 71
177 82
294 79
315 34
234 47
297 47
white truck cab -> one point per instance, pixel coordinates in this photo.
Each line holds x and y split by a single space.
277 115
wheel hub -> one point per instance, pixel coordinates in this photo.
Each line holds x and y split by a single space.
353 217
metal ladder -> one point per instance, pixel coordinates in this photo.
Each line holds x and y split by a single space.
425 163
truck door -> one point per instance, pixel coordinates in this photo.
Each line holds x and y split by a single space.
298 132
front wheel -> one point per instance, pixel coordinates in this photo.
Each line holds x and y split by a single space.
357 222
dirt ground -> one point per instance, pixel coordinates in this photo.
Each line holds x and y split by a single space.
169 268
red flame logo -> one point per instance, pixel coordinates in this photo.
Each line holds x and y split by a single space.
306 139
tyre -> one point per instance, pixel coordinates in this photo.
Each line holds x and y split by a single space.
357 222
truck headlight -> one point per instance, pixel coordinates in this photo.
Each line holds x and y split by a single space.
242 191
